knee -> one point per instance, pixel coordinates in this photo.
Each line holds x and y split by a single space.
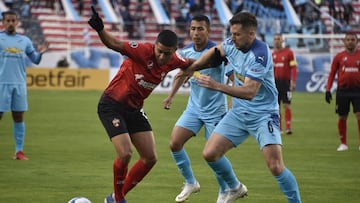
275 168
175 146
125 157
209 156
150 160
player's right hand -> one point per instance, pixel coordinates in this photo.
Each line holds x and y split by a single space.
95 21
328 96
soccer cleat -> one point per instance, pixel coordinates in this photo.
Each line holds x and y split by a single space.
111 199
342 147
20 156
234 194
288 131
221 197
187 190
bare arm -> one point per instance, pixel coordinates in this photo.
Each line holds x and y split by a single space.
110 41
107 39
248 91
178 81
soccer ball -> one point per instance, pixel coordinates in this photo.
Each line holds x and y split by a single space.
79 200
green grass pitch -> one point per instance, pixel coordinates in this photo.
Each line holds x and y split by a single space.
70 155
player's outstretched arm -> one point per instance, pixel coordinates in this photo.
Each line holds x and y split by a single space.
178 81
107 39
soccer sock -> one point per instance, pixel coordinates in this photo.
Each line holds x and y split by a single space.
183 163
135 175
222 184
222 167
19 135
280 119
289 186
288 118
120 170
342 130
358 124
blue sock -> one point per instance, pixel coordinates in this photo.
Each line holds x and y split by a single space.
19 135
289 186
183 163
223 168
222 184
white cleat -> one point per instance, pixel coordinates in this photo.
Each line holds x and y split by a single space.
342 147
187 190
234 194
221 198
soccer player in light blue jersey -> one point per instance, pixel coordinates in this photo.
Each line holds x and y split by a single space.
205 107
14 47
254 111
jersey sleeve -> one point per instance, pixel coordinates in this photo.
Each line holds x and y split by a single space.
333 71
293 66
30 51
137 51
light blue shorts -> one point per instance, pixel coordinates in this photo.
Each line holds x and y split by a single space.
193 121
237 126
13 97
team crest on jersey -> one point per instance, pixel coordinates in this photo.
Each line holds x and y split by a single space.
116 122
133 44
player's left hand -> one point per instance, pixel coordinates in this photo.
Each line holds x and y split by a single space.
206 81
43 47
328 96
95 21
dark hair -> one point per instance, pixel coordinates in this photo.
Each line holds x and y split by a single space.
9 12
351 33
245 19
167 38
202 18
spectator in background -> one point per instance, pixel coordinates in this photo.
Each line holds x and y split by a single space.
80 7
25 10
62 63
332 9
285 72
347 67
128 21
9 4
347 12
14 49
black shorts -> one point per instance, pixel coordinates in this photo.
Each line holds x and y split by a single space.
118 119
343 100
283 87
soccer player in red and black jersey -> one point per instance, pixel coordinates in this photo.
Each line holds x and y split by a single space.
285 77
120 106
346 64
